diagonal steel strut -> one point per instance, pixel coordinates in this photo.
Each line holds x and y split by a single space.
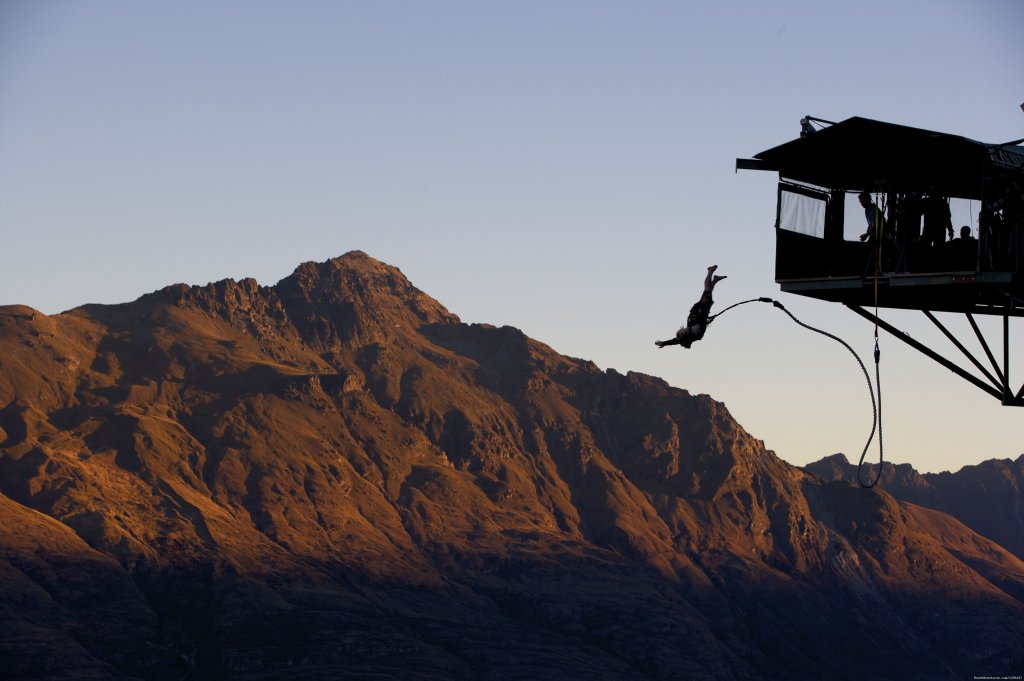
960 346
925 350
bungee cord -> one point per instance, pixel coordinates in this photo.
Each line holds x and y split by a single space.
876 416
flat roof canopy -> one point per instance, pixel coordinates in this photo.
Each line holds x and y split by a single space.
862 154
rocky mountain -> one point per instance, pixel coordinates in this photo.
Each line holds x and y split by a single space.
335 478
988 497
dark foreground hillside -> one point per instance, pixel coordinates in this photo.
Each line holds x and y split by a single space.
334 478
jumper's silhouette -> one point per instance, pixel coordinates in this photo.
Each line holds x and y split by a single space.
697 320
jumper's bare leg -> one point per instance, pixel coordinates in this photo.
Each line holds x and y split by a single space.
712 279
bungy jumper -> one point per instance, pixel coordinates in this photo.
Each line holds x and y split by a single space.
698 319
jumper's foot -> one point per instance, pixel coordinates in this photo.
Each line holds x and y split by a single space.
660 344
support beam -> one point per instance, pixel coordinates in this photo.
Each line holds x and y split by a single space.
960 346
984 346
1007 394
971 378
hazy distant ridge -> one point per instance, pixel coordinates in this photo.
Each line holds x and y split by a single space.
987 497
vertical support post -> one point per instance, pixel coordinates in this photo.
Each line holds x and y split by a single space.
835 210
1007 394
778 221
1008 391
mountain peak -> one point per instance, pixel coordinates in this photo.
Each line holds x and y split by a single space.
356 262
352 299
364 297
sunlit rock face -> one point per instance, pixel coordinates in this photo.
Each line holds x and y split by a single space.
334 477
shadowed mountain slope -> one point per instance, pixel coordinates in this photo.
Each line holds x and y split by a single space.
335 478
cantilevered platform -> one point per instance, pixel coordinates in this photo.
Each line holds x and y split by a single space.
863 219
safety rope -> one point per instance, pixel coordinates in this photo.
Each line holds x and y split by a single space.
880 219
876 417
878 384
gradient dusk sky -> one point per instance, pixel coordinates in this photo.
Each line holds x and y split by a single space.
566 168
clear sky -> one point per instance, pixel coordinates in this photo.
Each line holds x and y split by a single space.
565 167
